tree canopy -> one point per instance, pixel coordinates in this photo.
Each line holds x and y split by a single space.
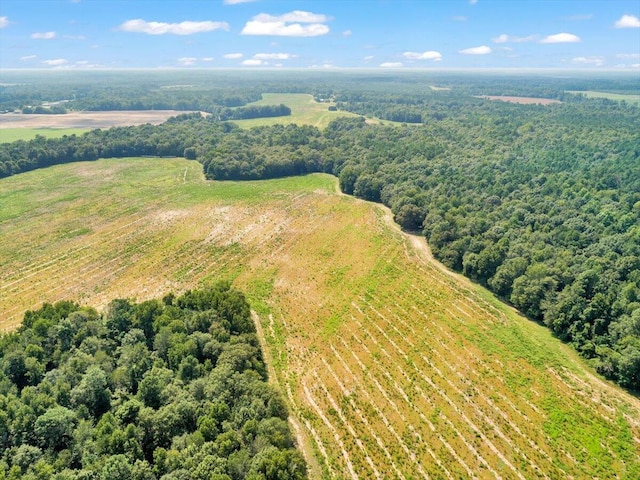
157 389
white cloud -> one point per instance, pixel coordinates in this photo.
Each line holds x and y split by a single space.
235 2
252 62
368 58
428 55
504 38
83 64
459 18
561 38
28 57
635 65
297 16
43 35
391 65
232 56
628 55
182 28
4 22
288 25
596 61
578 18
481 50
347 33
274 56
187 61
74 37
473 2
207 59
56 62
628 21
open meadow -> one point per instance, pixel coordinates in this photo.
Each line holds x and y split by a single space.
392 366
618 97
304 111
8 135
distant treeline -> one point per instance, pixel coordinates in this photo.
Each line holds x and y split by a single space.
251 111
540 204
53 110
171 389
141 95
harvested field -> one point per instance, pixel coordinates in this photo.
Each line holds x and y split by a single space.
392 367
86 119
521 100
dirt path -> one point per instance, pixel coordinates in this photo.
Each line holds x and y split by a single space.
418 242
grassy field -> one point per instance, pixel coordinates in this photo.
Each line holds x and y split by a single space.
393 367
12 134
304 111
611 96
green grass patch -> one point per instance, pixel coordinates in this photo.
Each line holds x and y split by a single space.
345 304
304 111
633 99
8 135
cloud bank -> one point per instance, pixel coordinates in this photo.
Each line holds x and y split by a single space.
161 28
43 35
428 55
481 50
561 38
628 21
504 38
293 24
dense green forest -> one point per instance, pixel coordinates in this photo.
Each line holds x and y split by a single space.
208 91
167 389
541 204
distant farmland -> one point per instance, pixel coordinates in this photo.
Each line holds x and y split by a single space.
304 111
521 100
393 368
86 120
611 96
13 134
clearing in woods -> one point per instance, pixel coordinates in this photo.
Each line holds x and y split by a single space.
8 135
392 368
618 97
86 120
521 100
304 111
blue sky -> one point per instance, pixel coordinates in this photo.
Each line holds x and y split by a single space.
381 34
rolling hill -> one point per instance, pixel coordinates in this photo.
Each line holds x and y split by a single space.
393 367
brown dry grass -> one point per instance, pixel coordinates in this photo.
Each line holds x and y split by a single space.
86 119
392 368
521 100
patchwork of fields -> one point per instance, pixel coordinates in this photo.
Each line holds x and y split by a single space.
393 368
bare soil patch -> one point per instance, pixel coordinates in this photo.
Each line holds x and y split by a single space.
87 119
521 100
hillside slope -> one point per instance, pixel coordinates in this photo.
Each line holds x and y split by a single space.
392 367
